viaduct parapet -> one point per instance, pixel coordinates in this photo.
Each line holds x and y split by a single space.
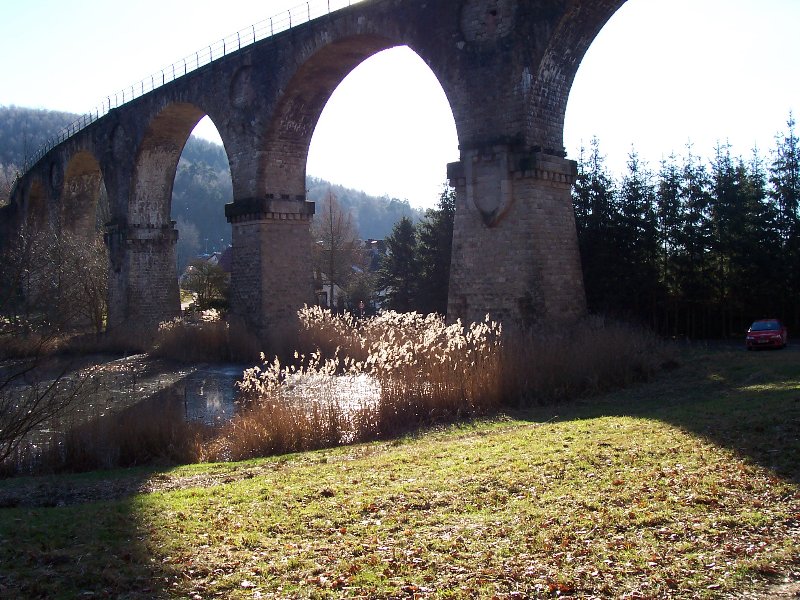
506 67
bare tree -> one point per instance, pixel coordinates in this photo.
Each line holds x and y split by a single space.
337 248
34 390
8 175
54 281
32 395
209 281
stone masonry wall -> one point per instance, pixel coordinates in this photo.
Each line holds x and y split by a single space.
152 285
272 275
506 67
519 263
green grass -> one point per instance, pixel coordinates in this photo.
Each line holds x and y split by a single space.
685 487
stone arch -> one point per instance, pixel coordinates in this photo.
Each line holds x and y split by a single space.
151 290
157 161
150 270
83 195
282 167
551 86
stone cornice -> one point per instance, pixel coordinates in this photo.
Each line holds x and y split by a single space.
269 209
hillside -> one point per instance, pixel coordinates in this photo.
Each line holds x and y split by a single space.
202 184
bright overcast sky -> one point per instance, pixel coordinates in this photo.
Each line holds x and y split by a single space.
661 73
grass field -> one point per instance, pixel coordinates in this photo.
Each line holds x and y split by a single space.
686 487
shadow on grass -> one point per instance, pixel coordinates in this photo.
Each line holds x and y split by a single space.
92 550
747 402
81 535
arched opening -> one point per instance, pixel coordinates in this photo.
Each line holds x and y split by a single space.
79 246
283 166
387 129
200 192
354 98
179 181
84 202
351 116
157 162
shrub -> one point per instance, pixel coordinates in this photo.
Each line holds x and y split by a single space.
589 358
204 338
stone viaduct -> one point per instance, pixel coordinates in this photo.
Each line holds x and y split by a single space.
506 67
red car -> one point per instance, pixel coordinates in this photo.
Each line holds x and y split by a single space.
767 333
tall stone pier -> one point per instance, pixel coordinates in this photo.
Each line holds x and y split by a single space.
515 250
272 271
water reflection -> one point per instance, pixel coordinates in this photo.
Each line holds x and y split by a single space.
347 392
209 393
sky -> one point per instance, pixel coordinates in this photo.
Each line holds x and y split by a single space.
661 74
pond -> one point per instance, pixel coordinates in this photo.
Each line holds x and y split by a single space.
136 397
209 392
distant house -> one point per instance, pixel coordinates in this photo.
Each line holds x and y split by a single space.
376 250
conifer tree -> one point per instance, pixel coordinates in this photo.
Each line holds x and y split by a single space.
692 262
728 221
434 248
595 218
637 241
784 176
785 179
759 249
399 272
669 218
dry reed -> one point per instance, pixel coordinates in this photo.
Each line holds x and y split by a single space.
203 338
425 372
368 379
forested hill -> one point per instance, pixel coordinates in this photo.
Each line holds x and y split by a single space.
23 131
202 184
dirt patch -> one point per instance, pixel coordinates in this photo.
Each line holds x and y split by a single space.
788 589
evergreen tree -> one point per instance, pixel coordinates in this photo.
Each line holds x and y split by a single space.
637 241
728 220
399 271
759 250
692 263
596 221
784 176
434 248
785 179
669 219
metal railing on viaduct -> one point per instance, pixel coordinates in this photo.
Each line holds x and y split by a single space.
257 32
